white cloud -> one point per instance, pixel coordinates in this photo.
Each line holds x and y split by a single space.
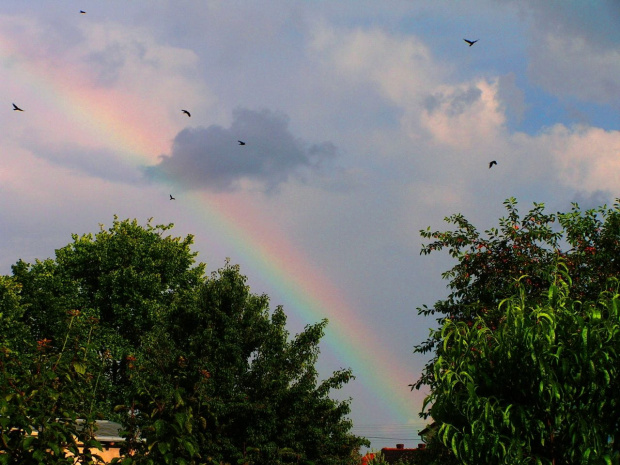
459 127
464 115
587 158
400 66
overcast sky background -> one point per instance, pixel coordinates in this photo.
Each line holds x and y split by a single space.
364 122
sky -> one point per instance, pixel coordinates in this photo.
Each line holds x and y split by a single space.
363 121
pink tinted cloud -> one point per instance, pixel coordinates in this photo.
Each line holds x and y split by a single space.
587 158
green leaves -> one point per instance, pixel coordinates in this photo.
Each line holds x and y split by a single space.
124 325
525 361
44 389
249 386
520 390
79 368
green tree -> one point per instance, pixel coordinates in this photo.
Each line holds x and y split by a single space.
225 374
541 387
434 451
44 390
128 277
131 275
197 368
522 254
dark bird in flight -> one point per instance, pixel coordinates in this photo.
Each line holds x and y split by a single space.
15 107
82 12
492 163
241 142
172 198
471 42
186 112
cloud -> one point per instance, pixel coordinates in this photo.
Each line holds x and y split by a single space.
455 126
574 51
402 67
210 158
511 97
586 158
117 56
569 65
98 163
598 23
588 200
455 104
465 115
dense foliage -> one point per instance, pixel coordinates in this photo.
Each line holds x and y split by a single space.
45 388
525 361
124 325
541 387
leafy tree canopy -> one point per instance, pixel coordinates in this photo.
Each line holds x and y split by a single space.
529 378
197 368
540 387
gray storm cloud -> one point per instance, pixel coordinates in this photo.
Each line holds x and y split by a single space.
211 158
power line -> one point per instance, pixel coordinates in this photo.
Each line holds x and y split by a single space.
386 428
393 433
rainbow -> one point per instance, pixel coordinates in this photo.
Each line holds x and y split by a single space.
262 247
307 292
98 116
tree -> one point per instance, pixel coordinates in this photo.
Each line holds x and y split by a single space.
128 277
241 389
434 452
45 389
197 368
522 255
541 387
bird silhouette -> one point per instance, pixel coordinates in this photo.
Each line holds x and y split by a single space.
15 107
172 198
241 142
82 12
492 163
186 112
471 42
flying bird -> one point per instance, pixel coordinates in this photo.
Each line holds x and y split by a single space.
186 112
172 198
492 163
15 107
241 142
471 42
82 12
